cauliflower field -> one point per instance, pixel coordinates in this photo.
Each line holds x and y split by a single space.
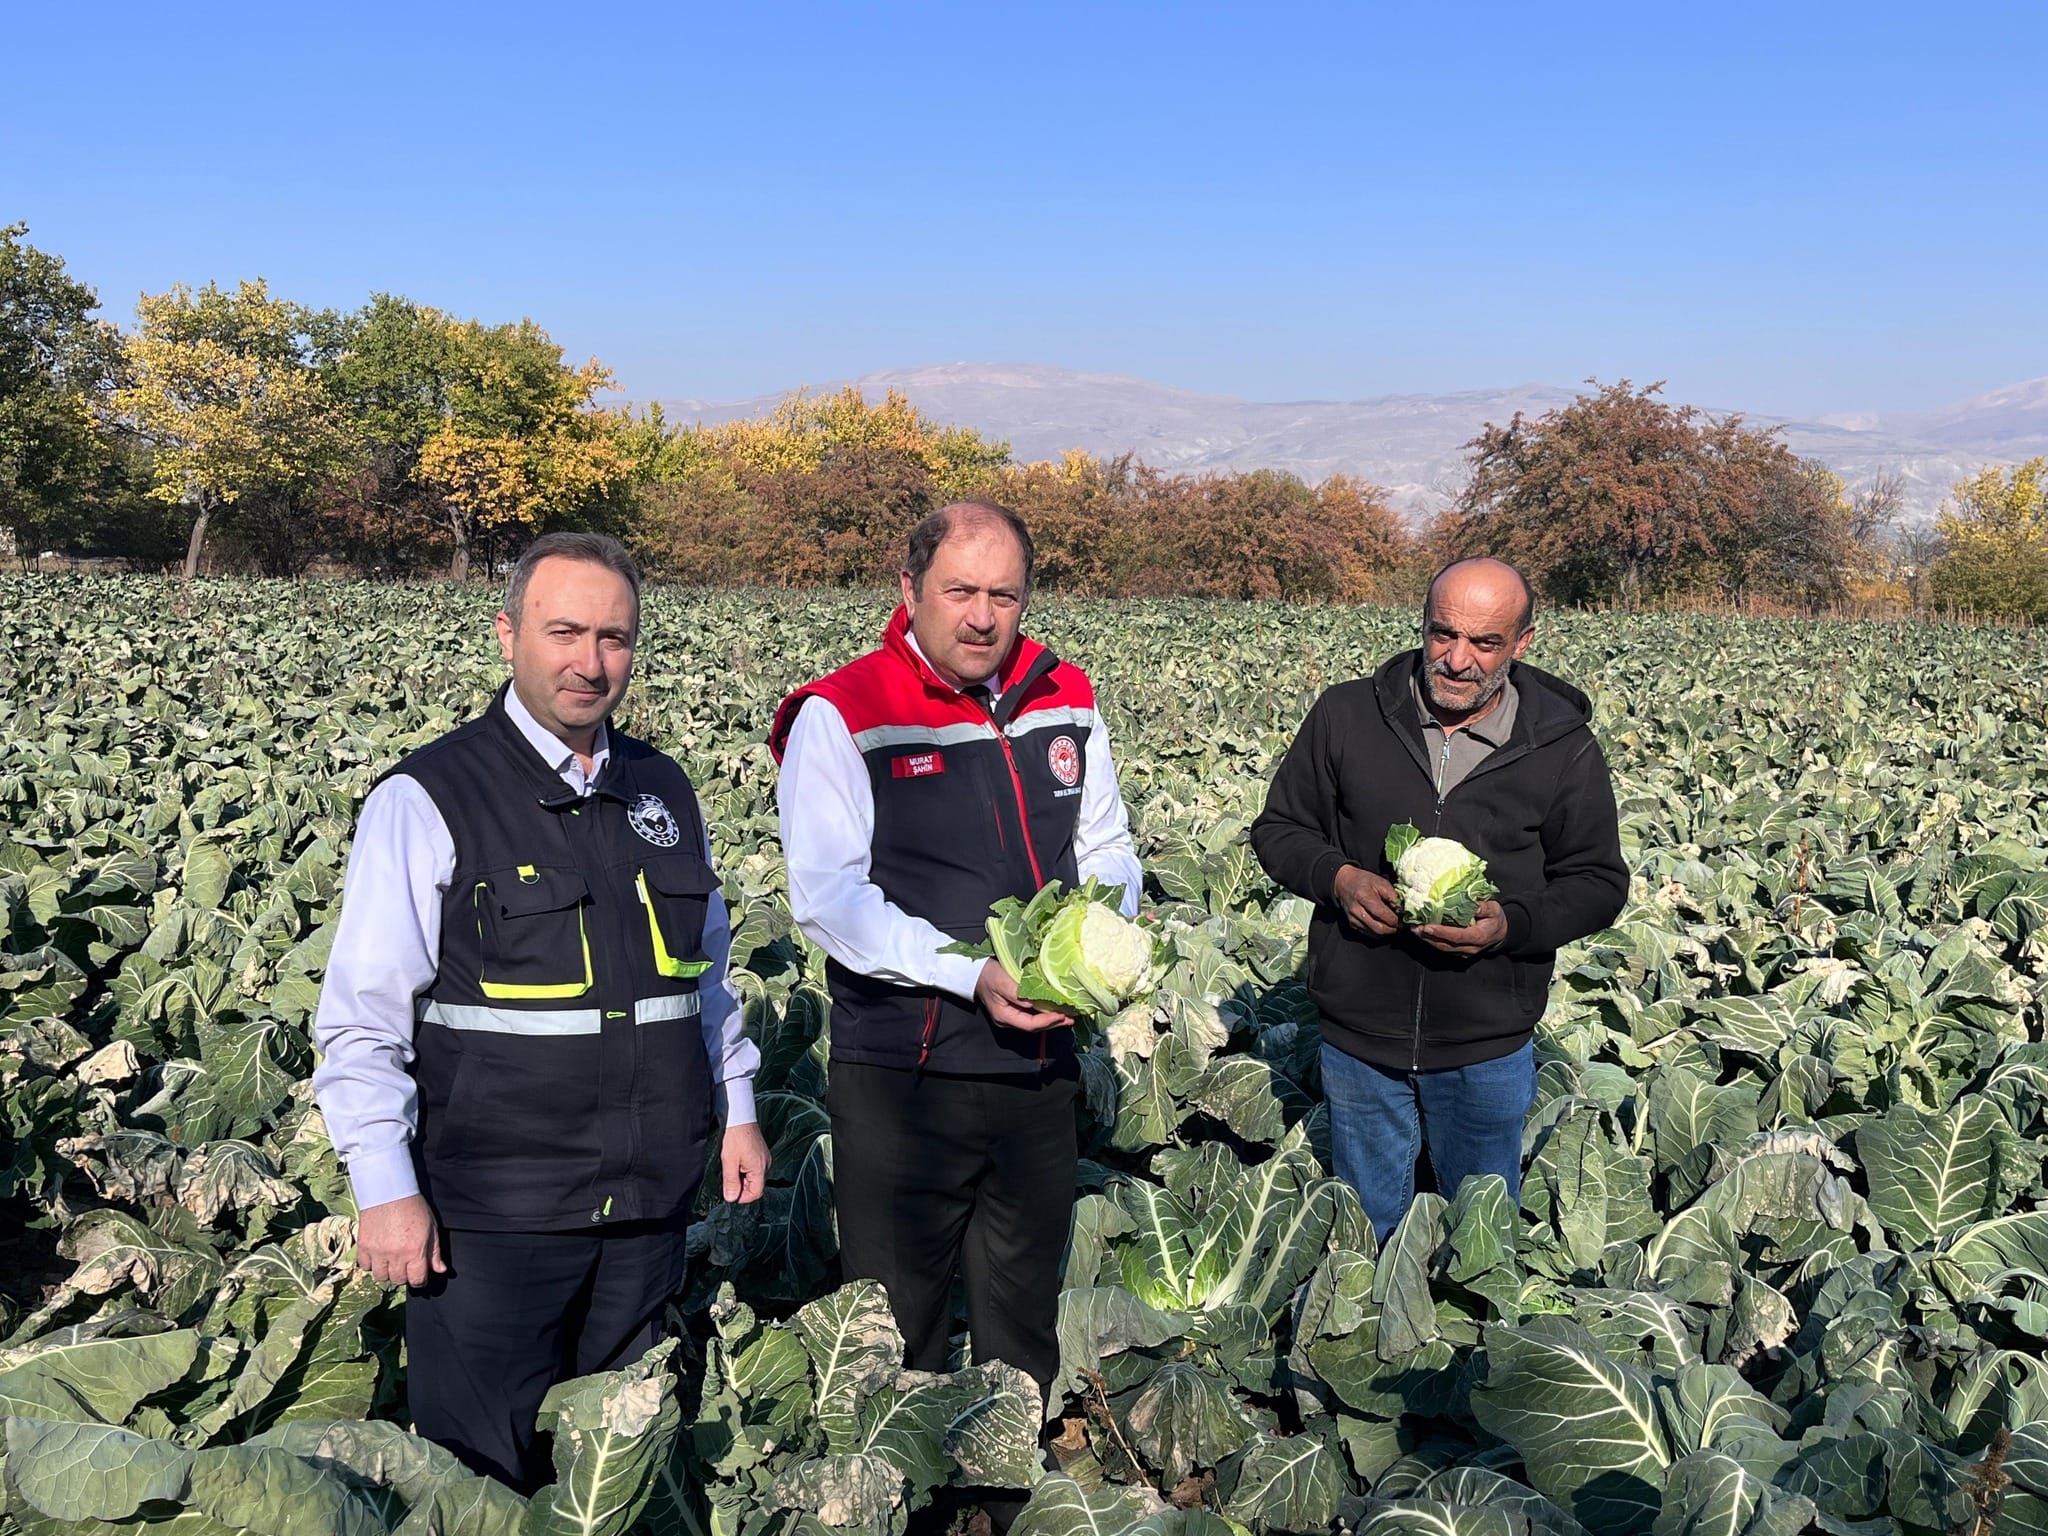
1781 1261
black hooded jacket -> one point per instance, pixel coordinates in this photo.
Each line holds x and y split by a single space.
1539 811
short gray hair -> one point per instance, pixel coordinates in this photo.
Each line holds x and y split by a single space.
591 548
940 526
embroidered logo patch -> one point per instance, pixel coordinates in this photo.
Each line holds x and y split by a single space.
1065 760
651 819
916 765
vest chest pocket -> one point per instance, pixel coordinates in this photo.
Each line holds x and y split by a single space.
675 894
530 925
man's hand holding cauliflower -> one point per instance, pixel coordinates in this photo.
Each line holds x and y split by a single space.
1439 887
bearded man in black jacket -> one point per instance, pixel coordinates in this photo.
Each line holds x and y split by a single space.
1427 1030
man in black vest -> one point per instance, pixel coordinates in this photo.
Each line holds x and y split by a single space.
525 1028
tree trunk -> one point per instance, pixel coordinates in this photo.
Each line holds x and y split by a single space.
192 550
458 562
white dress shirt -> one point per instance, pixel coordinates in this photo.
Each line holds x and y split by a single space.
826 805
386 952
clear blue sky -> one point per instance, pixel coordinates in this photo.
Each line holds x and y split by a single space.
1791 208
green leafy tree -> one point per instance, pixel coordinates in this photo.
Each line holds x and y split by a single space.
57 363
222 386
477 430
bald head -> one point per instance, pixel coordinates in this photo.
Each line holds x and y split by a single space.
1483 585
1476 621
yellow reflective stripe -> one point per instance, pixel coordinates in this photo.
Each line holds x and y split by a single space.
665 963
507 989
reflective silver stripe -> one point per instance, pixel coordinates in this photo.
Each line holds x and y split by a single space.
514 1021
653 1010
922 735
554 1021
1064 714
968 730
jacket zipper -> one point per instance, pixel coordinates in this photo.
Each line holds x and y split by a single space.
1421 976
1490 761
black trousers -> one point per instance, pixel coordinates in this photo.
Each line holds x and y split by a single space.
933 1174
518 1312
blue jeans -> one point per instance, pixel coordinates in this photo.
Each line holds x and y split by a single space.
1472 1117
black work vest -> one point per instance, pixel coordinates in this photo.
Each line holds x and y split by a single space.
563 1079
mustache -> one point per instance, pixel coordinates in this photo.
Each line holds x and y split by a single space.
1466 675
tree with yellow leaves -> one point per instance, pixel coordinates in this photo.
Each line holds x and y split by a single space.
1994 559
805 429
222 387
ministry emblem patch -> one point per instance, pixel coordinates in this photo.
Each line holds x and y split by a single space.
1065 760
651 819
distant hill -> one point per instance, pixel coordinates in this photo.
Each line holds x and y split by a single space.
1412 445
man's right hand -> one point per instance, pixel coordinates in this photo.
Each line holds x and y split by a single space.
398 1242
1368 901
996 990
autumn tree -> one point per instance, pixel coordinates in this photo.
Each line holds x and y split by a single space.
1790 528
221 385
706 531
1372 556
805 429
822 491
1620 496
1994 531
1084 517
57 364
847 522
1263 534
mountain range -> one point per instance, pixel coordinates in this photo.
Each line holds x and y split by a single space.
1410 445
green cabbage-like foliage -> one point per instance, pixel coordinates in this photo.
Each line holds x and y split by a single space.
1439 879
1779 1264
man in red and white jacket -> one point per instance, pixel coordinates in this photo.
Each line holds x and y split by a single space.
957 764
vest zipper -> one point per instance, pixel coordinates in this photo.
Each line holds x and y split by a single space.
931 1028
1030 852
594 831
1023 810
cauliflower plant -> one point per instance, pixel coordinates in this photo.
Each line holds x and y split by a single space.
1094 952
1074 949
1439 879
